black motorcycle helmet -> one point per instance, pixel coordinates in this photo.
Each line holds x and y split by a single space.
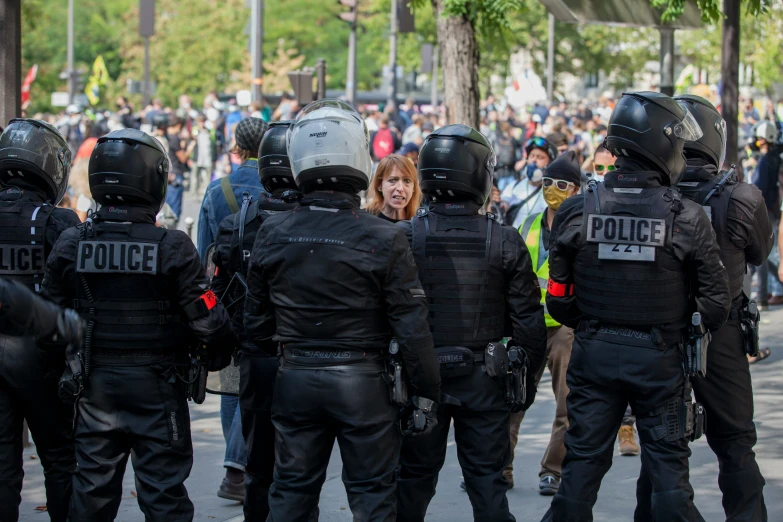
712 145
456 162
655 127
274 167
129 167
35 156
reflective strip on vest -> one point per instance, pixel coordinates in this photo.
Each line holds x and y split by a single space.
531 231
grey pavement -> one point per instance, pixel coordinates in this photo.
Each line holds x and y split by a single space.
616 500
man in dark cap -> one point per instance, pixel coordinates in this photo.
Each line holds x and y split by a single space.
411 151
561 181
222 198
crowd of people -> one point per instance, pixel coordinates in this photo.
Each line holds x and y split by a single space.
521 169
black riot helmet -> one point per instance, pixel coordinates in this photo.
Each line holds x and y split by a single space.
712 145
129 167
274 167
653 127
456 162
34 155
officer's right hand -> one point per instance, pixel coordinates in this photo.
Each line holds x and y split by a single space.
218 357
70 328
780 271
421 419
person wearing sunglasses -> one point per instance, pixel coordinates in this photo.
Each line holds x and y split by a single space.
525 197
561 181
603 162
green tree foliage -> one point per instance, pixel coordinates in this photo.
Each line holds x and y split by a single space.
97 30
710 9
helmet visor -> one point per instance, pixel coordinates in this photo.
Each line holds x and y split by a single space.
721 125
688 129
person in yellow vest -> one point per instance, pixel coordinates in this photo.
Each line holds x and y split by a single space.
561 180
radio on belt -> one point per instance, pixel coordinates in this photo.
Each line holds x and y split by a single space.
626 238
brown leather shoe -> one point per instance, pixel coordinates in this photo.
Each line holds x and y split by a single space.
628 444
232 490
775 300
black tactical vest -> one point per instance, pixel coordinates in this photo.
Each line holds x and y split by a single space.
122 291
23 248
626 272
460 262
717 209
245 229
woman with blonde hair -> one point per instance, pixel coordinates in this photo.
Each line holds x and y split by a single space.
394 193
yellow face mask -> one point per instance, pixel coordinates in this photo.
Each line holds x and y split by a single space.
554 197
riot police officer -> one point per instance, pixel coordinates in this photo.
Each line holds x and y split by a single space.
144 294
258 367
744 235
630 262
34 167
332 285
476 275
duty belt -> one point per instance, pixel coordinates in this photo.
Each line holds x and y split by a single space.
331 358
632 335
134 357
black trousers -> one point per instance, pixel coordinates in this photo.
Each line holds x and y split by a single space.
483 448
312 408
257 376
608 371
727 395
28 390
139 412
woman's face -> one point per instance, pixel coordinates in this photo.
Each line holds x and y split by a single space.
397 189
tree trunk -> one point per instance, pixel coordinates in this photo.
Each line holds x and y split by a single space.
459 57
10 60
729 98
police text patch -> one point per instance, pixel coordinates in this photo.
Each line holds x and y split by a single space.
22 259
109 257
626 230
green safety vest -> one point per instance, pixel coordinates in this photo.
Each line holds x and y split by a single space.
530 229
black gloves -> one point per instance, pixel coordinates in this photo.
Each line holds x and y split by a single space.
70 328
218 357
421 417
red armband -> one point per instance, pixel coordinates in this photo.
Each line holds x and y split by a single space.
556 289
210 299
201 306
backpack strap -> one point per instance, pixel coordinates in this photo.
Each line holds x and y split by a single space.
228 193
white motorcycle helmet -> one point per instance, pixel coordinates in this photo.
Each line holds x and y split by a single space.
766 130
328 146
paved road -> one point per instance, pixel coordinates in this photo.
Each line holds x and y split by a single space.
615 502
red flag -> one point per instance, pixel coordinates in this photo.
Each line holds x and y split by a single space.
27 83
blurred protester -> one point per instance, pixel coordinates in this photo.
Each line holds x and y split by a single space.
385 140
749 118
180 148
394 193
603 162
413 133
410 151
525 197
765 177
205 153
71 128
507 151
